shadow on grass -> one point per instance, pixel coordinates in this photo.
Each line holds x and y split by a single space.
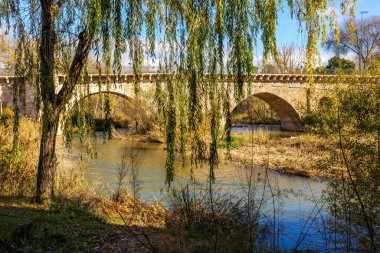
63 227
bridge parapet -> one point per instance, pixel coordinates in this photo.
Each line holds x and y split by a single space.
280 78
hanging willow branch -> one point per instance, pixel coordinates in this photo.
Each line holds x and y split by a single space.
198 41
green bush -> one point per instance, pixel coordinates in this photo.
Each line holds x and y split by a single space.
7 115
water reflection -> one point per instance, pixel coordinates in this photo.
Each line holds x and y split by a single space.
272 128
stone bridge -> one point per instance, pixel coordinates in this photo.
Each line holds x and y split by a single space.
290 95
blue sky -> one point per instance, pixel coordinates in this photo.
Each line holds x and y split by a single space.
287 31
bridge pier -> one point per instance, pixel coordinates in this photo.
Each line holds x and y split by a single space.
291 126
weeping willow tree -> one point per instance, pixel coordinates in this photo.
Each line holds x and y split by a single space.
197 40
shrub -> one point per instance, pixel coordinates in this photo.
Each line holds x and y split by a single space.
221 225
7 115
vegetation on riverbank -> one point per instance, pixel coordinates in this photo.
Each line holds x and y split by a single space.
97 224
288 153
18 164
78 224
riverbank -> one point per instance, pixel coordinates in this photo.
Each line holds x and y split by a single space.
93 223
290 154
80 224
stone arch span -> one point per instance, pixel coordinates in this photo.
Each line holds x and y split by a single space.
127 97
123 95
289 118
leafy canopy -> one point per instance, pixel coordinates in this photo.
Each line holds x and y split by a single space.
336 63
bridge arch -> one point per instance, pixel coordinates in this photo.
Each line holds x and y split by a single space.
119 93
93 93
289 118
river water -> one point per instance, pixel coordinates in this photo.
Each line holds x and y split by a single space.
296 207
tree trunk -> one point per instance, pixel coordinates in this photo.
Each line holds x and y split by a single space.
50 116
53 103
47 163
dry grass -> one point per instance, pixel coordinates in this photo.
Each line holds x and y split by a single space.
132 212
294 155
18 166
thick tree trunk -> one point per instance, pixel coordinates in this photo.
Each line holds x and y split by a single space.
53 103
50 116
47 160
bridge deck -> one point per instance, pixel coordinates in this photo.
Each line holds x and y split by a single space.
281 78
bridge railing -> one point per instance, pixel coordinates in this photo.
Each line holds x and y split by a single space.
281 78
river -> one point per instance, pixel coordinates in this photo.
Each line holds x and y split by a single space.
296 204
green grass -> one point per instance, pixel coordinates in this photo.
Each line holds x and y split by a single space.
63 227
236 141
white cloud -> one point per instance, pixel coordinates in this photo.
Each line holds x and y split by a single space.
325 57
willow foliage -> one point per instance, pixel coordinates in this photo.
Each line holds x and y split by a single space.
197 40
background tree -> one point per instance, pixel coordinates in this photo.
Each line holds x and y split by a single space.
197 35
269 68
374 63
358 37
290 59
320 70
335 63
7 57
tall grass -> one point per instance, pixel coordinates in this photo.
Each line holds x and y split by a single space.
127 173
18 165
